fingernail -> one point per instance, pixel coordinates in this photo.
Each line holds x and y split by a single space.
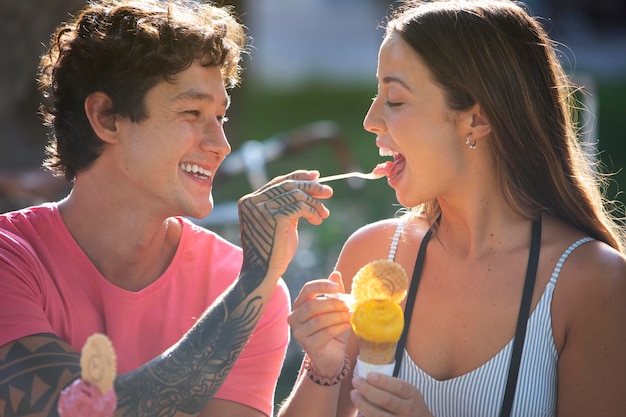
353 395
356 382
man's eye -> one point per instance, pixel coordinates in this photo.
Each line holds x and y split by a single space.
192 112
223 119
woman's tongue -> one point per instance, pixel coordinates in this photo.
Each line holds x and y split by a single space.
390 168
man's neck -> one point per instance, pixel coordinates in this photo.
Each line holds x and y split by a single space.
129 249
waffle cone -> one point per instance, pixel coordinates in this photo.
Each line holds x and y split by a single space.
376 353
98 362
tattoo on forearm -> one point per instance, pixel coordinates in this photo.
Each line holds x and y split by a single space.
190 373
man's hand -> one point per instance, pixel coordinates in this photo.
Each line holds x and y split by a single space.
269 217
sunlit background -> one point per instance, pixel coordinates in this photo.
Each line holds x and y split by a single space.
308 82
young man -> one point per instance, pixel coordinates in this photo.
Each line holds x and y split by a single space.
137 99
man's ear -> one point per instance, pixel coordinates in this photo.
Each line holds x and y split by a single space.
103 121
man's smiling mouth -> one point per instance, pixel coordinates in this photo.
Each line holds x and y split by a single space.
198 171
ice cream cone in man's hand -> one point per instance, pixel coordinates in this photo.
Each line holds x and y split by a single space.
378 320
93 394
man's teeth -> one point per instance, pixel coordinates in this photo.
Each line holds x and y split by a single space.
195 169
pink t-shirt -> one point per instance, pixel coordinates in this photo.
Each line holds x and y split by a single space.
48 285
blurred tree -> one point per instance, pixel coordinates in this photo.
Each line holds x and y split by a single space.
233 132
25 26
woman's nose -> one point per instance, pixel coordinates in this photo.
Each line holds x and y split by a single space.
373 123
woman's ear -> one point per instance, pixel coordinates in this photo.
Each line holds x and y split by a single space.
98 107
479 123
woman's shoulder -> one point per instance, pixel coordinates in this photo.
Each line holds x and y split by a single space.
374 240
593 267
589 260
592 278
380 233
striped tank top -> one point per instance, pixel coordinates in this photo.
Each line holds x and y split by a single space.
479 393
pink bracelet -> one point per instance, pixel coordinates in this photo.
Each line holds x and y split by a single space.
323 380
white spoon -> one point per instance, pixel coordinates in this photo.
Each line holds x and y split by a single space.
367 176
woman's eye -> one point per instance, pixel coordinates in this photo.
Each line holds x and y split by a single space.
393 103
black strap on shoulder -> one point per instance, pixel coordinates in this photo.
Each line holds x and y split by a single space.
410 301
522 320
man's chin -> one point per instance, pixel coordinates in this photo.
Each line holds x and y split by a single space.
222 214
201 214
201 211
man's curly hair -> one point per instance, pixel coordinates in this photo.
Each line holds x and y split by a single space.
124 48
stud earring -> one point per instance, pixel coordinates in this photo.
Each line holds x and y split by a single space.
472 145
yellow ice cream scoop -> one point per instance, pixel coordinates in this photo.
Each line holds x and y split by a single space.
379 321
378 325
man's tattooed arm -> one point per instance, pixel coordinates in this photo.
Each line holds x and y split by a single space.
35 369
182 380
188 375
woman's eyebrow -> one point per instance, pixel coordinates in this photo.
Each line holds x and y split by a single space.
392 79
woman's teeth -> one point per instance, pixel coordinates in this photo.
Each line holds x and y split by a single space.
385 152
195 169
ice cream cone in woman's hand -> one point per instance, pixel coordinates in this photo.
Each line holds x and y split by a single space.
378 324
378 320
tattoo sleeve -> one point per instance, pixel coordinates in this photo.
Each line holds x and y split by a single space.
187 376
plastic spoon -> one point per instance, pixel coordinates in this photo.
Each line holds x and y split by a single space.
367 176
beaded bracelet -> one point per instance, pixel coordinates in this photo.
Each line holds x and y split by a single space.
324 380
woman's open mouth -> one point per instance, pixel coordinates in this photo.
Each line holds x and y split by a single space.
390 169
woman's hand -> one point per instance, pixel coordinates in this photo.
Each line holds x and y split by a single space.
381 395
321 324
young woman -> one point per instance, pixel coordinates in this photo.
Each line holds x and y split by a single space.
519 248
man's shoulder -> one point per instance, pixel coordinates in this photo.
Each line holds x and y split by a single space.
27 217
18 229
